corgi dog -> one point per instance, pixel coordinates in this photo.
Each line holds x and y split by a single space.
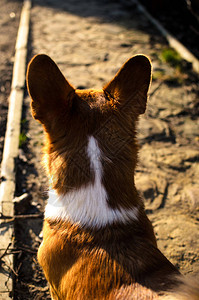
98 242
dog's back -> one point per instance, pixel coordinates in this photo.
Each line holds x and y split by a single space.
97 240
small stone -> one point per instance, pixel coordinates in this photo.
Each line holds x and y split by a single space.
22 155
12 15
192 195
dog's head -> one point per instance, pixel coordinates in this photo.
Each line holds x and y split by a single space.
80 124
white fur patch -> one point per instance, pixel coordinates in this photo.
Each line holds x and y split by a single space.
88 206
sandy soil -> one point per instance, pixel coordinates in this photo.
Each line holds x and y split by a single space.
9 19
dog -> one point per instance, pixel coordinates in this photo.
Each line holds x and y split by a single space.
98 242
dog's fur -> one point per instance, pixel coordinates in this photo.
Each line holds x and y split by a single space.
97 240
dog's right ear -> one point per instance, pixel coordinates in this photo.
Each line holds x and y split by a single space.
48 88
130 85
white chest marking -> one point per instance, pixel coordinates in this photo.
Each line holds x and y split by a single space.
88 205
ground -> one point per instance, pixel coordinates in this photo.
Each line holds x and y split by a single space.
9 21
90 41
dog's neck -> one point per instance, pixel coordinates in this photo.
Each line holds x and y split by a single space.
88 205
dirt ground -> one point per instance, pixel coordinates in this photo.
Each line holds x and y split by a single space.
90 41
9 20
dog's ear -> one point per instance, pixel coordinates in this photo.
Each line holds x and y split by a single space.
48 88
130 85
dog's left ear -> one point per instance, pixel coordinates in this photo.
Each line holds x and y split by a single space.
130 86
48 88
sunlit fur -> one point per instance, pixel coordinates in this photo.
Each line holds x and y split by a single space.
97 240
88 205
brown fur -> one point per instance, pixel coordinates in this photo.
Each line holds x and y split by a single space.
117 261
